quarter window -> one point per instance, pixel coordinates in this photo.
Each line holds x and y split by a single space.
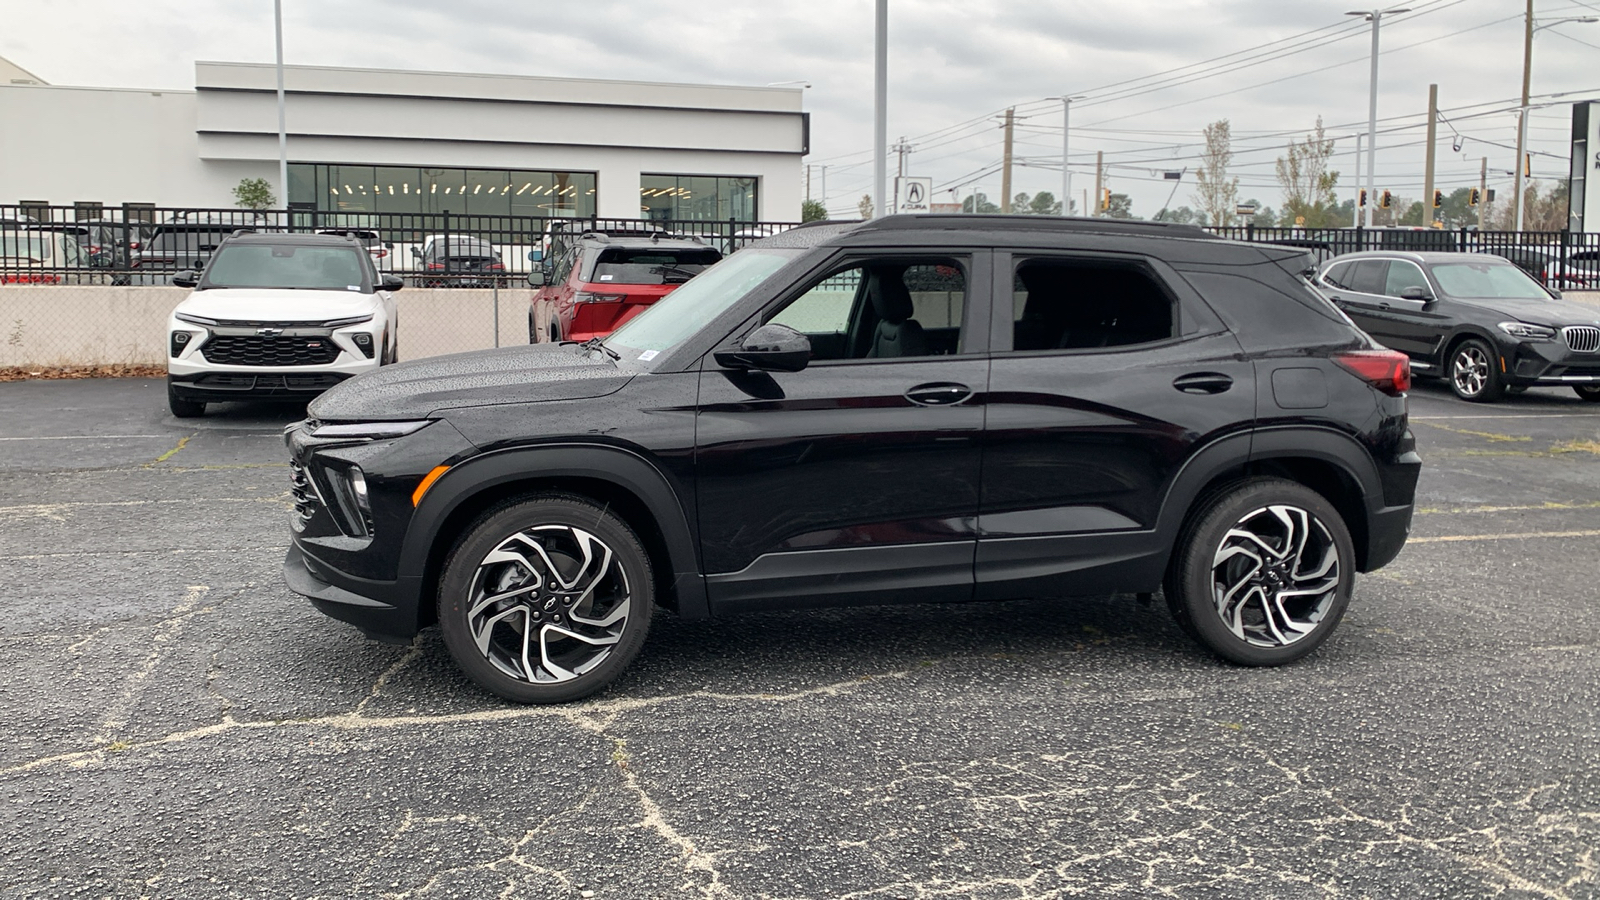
1076 304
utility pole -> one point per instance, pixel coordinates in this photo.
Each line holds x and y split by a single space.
283 132
1375 17
1483 192
1099 180
903 149
1005 177
808 182
1359 207
1433 135
1066 162
1522 114
824 186
880 110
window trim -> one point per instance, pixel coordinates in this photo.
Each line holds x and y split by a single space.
1003 323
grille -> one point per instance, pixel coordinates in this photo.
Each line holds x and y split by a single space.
1582 338
276 350
306 502
319 382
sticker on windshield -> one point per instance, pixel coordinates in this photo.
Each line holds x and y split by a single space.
648 355
352 287
607 277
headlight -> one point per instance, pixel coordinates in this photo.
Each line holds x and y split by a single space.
368 431
1524 330
340 323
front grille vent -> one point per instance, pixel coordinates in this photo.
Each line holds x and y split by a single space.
273 350
1582 338
306 502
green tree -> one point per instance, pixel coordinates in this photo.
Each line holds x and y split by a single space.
1216 193
254 193
1308 185
1265 217
1121 207
984 206
813 211
865 206
1183 215
1043 203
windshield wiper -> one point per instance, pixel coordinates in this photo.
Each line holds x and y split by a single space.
599 343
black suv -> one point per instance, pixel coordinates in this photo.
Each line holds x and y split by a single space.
1478 320
916 409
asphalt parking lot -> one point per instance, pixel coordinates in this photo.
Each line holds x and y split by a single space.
180 725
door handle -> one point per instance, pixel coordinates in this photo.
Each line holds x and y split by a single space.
938 394
1203 383
1383 306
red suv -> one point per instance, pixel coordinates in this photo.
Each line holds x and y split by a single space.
599 282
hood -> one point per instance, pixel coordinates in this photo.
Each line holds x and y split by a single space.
1555 313
524 374
267 305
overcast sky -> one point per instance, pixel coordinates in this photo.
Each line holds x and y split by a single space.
954 66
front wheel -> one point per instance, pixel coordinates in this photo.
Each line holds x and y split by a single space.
1588 392
1263 574
1475 373
547 599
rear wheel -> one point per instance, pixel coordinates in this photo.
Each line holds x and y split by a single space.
184 409
1588 392
546 599
1263 573
1474 372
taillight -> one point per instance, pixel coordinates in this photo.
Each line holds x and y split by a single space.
133 245
1387 370
588 297
379 253
435 267
496 266
94 248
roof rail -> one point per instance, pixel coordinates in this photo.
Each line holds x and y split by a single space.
1034 223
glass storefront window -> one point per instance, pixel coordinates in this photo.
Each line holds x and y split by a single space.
698 197
472 192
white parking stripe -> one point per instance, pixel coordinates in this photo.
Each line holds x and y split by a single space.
88 437
1453 538
1512 416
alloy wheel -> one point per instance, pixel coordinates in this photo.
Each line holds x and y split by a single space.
548 604
1275 575
1470 370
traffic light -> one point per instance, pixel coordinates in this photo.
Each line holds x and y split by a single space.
1105 199
1474 197
1385 199
1363 202
1438 199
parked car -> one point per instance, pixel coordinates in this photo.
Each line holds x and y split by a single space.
913 409
375 246
1477 320
278 316
1550 266
40 256
600 282
458 261
181 245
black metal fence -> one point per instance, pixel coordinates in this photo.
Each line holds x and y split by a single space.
146 245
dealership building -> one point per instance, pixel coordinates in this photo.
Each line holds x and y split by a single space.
378 140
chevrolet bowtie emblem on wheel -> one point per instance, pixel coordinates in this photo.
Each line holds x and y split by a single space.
269 332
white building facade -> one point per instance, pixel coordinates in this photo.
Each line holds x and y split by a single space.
368 140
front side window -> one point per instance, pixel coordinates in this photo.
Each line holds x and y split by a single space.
1487 280
1081 304
288 267
883 309
1404 275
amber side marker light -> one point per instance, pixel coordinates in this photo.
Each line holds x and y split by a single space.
427 482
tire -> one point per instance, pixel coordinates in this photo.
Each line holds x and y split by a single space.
184 409
525 551
1232 533
1588 392
1474 373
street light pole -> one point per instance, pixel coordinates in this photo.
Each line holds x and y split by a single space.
1066 162
880 111
1522 112
1375 17
283 133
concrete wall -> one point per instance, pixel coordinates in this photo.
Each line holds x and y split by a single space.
82 325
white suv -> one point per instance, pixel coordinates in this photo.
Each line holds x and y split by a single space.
278 316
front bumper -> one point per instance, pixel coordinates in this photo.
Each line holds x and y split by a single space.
216 387
1547 363
392 619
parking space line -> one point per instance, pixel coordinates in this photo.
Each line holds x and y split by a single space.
1523 536
1549 506
88 437
1511 416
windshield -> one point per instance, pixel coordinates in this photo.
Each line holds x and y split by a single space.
1487 280
287 266
686 310
186 240
653 266
20 246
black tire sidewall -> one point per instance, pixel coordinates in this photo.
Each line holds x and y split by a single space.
1192 573
184 409
1587 393
495 526
1493 388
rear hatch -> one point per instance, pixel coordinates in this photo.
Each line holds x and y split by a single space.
623 281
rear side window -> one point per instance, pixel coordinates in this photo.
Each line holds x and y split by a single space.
623 265
1080 304
1370 276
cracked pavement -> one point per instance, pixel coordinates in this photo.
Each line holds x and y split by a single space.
181 725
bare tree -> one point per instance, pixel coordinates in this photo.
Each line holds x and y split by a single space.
1217 195
1307 183
865 206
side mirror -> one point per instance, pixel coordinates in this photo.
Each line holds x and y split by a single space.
1417 293
417 252
770 348
535 255
393 283
536 278
188 278
388 245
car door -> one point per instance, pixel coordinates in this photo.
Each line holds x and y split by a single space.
1362 299
1108 373
1414 327
857 477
